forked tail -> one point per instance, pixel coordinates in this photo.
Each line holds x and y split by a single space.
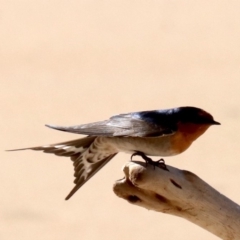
87 158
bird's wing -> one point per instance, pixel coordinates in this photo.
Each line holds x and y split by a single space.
139 124
85 165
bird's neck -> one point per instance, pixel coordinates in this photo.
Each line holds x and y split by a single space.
191 131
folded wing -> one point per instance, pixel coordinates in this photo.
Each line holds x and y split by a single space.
132 124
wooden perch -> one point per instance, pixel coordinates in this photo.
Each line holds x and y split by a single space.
180 193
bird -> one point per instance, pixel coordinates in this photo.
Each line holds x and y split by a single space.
164 132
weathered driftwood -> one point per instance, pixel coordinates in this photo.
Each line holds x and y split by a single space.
180 193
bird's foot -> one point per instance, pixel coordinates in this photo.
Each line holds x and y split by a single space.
159 163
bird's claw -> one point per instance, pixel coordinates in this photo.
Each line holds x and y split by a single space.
159 163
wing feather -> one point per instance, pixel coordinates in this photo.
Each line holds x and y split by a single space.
132 124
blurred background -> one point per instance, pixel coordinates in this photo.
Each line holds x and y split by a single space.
74 62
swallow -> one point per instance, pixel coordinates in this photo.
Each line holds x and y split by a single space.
161 133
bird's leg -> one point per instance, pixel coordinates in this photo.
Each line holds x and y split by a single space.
141 154
160 163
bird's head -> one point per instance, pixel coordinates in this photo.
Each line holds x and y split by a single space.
193 122
196 116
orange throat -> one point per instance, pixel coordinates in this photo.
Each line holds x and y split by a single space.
192 131
187 133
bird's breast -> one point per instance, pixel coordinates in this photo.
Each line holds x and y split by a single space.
152 146
167 145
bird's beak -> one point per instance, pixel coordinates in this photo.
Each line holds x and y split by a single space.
215 123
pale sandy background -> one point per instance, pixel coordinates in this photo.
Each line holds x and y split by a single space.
71 62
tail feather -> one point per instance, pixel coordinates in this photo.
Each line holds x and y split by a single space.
69 148
77 150
80 179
